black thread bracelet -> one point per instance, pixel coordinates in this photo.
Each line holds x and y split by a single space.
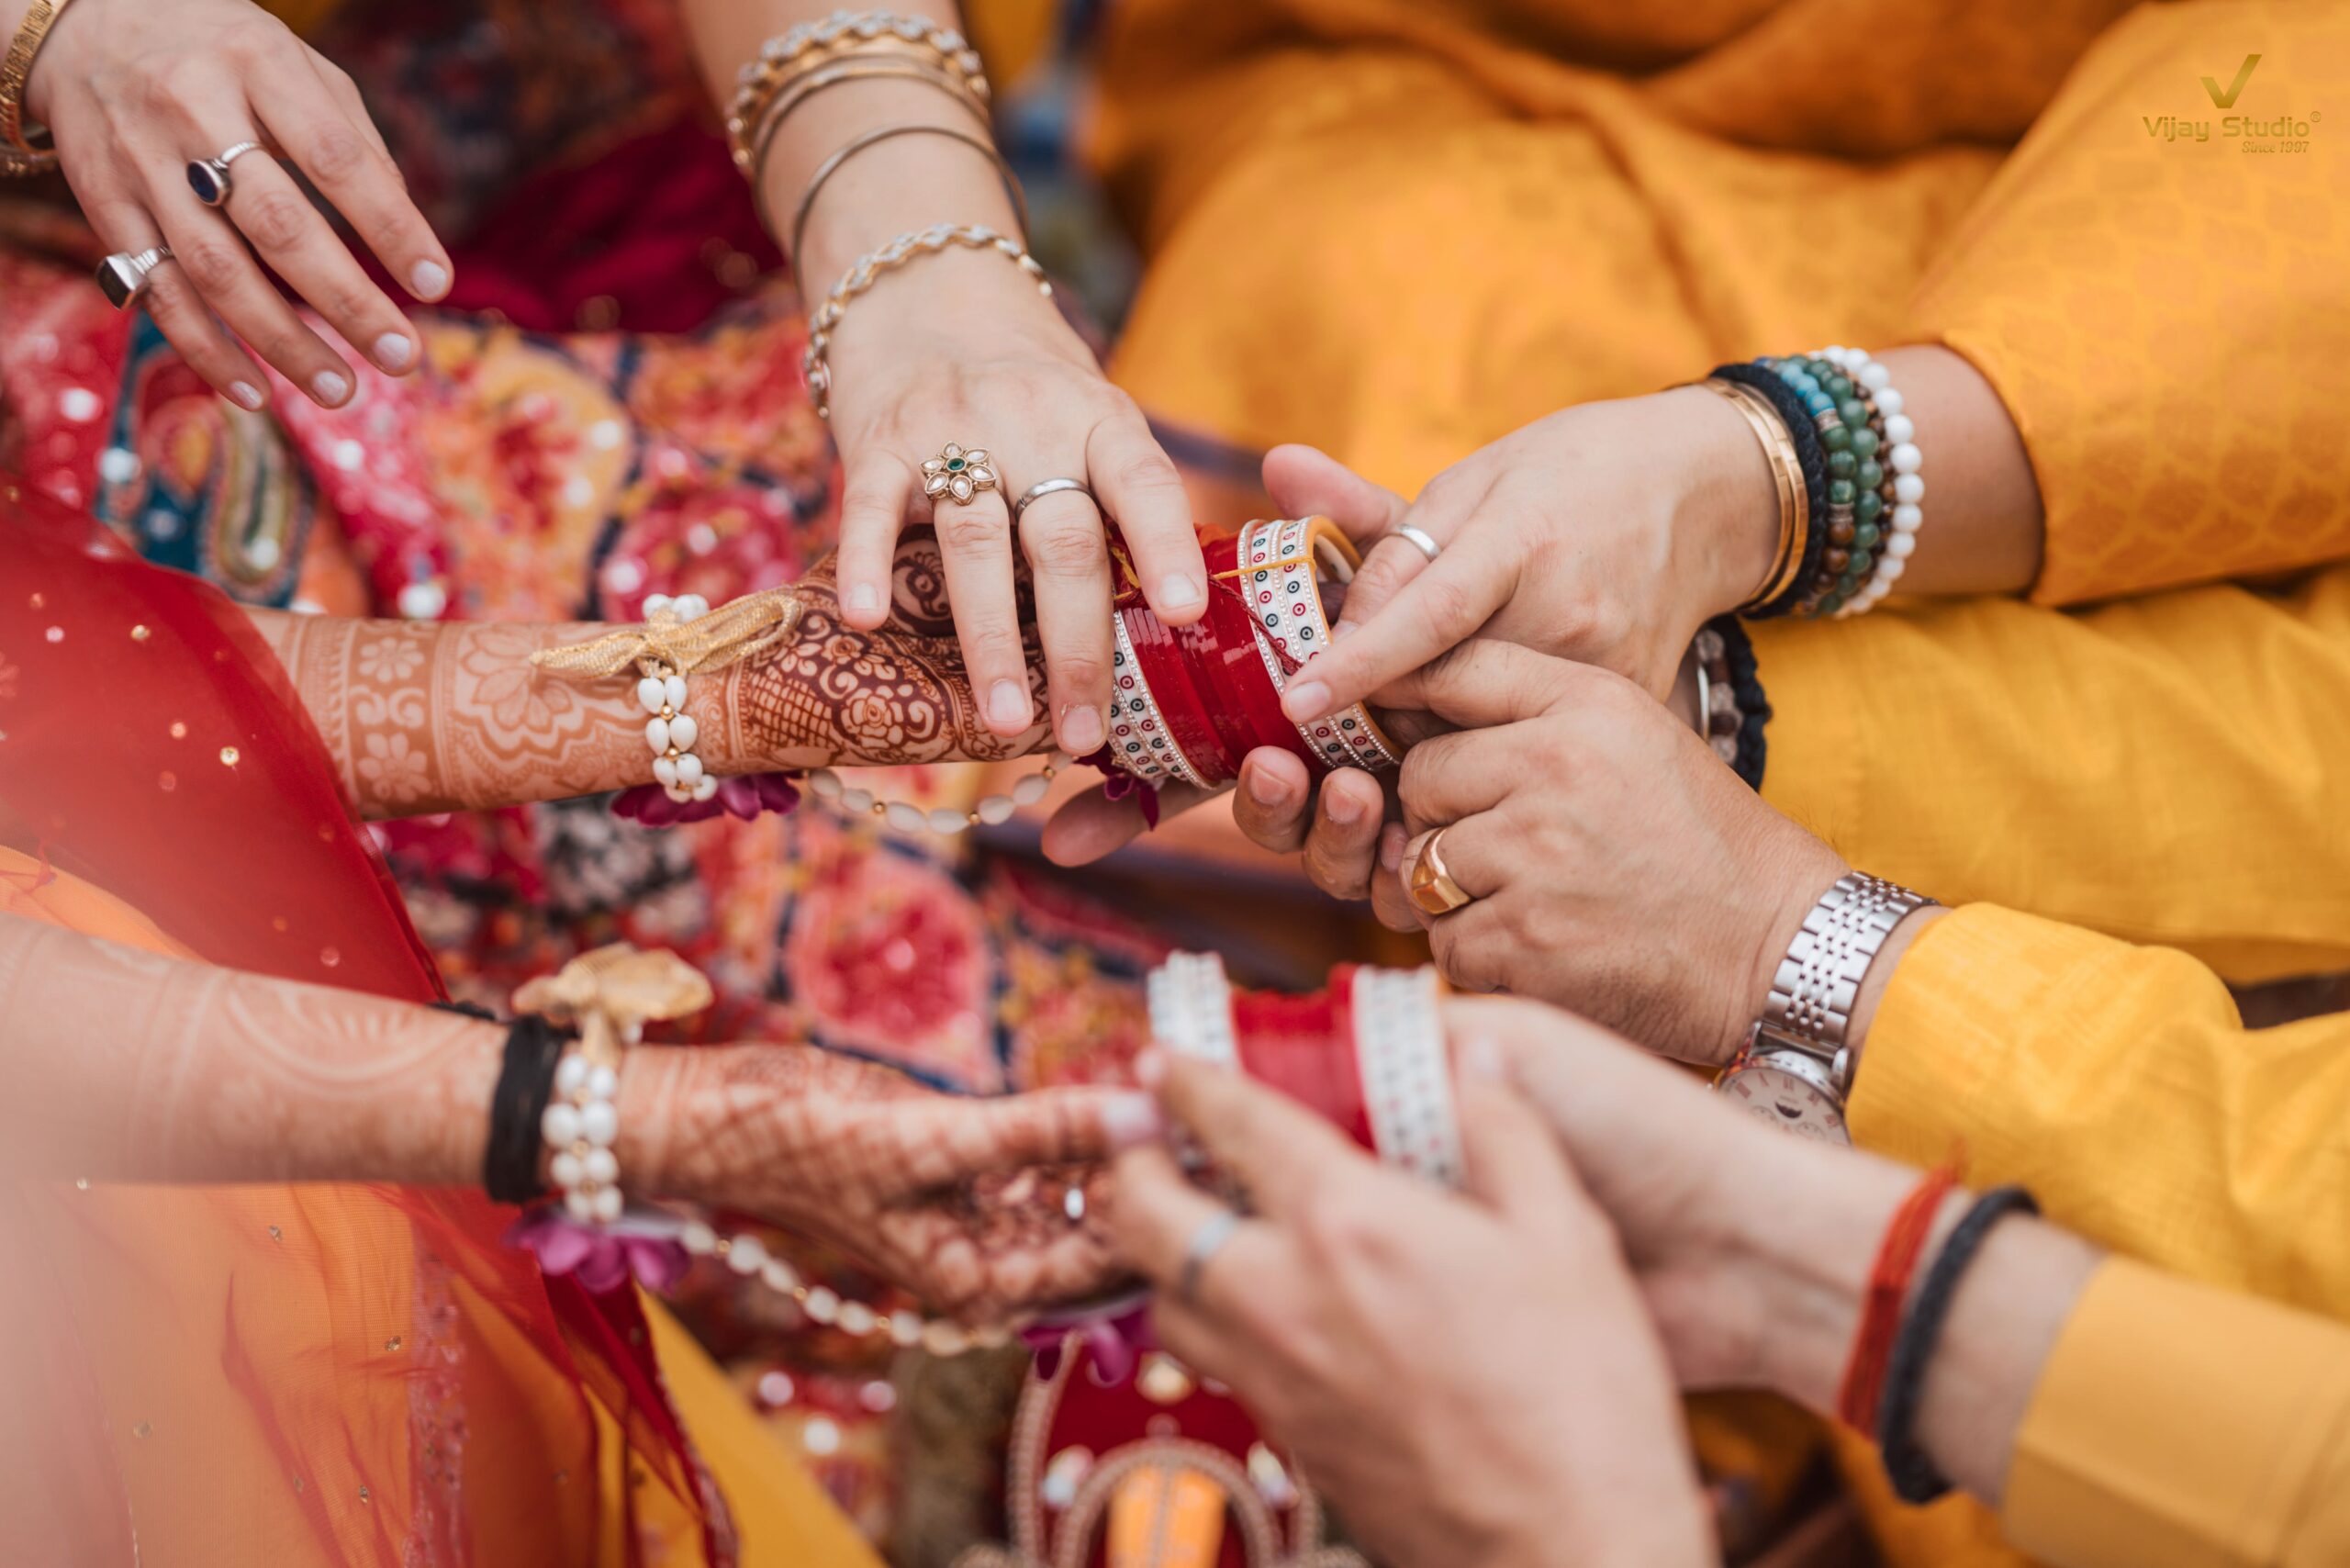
1746 688
1915 1477
510 1156
1810 457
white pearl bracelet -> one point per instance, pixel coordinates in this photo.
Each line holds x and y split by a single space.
905 816
671 731
1902 461
824 1306
580 1125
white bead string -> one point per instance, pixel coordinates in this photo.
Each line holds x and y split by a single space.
827 785
1903 459
749 1256
671 731
580 1126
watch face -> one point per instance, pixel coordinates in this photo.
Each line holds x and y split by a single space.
1784 1093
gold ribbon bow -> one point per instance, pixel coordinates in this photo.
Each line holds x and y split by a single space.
733 630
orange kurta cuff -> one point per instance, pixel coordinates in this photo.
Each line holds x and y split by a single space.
2177 1426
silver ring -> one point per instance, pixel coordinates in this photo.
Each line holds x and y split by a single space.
1043 487
1419 539
122 276
208 177
1206 1243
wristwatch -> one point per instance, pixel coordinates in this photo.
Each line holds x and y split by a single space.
1795 1070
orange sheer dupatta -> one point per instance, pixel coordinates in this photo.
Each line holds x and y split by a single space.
272 1375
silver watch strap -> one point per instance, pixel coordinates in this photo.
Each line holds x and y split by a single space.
1812 995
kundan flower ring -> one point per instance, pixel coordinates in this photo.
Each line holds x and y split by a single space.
957 473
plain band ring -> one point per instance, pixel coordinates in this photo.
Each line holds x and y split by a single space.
208 177
1419 539
1206 1243
1044 488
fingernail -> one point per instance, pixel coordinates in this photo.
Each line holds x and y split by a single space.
1151 1067
1342 807
1008 706
1128 1120
245 395
1306 700
1266 790
329 389
862 598
1081 731
428 280
1177 591
1481 1058
1392 840
1340 630
392 351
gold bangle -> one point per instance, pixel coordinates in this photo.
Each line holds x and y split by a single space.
801 89
18 153
1786 473
812 46
855 145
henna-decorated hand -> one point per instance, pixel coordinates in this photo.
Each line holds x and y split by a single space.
958 1199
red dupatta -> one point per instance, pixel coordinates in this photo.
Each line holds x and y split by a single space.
152 747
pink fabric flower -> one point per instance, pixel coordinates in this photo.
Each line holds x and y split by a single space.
745 795
599 1259
1117 784
1115 1340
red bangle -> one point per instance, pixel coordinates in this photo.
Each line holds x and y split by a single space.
1303 1046
1237 672
1180 704
1863 1387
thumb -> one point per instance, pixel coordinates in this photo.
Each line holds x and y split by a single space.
1514 1163
1305 481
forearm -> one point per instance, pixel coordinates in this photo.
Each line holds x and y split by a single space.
119 1065
438 716
1810 1280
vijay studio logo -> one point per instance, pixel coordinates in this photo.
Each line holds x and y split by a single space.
2284 133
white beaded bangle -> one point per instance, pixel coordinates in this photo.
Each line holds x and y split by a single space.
581 1124
671 731
1903 460
993 811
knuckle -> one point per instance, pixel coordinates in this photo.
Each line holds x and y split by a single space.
1450 608
960 531
1145 469
1334 1222
215 267
275 219
1080 673
1070 550
337 152
353 301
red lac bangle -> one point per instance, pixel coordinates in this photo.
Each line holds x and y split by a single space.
1862 1388
1169 675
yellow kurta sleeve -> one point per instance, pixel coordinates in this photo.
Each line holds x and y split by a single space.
2160 304
2117 1083
2172 771
2176 1426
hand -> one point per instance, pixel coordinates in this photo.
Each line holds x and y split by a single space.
1608 533
1616 866
134 91
1542 1426
968 351
940 1193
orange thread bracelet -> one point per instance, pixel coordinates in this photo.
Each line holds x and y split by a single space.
1863 1385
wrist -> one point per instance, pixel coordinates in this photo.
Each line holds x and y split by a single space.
657 1083
49 62
1728 506
1770 912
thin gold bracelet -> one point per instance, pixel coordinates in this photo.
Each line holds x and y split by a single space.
1786 473
18 153
840 74
812 46
855 145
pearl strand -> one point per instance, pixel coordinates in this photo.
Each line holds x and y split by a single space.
671 731
581 1124
749 1256
1903 459
993 811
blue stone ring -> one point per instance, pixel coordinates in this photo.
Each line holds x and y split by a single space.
208 177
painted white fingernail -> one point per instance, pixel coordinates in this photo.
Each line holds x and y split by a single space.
1081 731
1177 591
394 350
245 395
1129 1119
329 388
1307 700
862 598
428 280
1008 707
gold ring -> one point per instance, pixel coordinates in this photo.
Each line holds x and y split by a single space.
957 473
1429 885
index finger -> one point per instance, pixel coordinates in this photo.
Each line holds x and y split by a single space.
1141 488
1436 612
349 167
1487 682
1276 1147
949 1138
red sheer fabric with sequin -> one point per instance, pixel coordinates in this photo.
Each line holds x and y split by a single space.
269 1374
